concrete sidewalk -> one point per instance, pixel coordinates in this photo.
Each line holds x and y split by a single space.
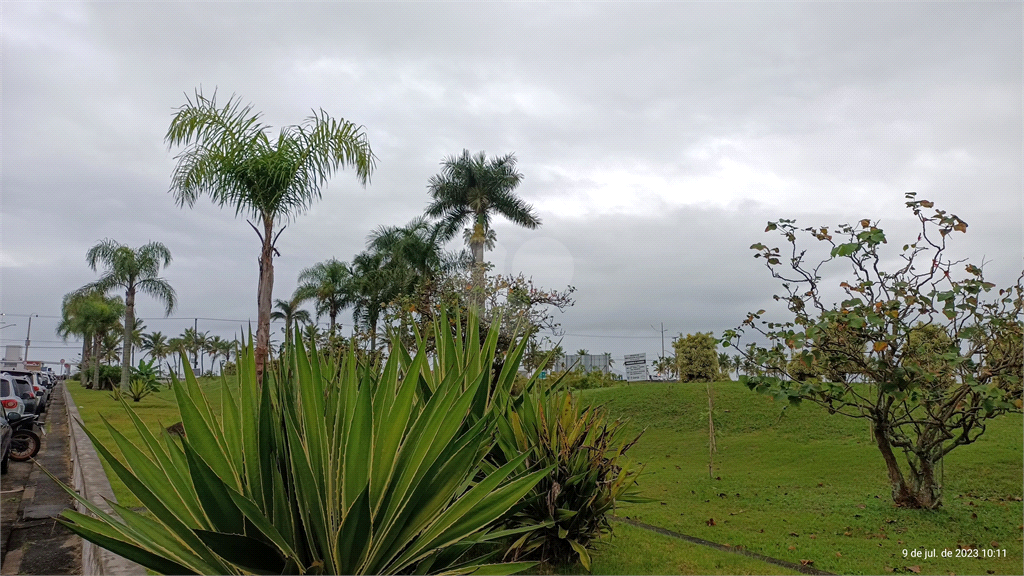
32 540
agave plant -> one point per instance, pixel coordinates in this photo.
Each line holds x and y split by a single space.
568 509
327 467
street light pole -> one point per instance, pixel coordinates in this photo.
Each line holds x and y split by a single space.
28 335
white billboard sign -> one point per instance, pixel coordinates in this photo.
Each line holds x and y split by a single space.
636 367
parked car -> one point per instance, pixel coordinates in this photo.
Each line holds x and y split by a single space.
42 394
5 441
9 398
23 388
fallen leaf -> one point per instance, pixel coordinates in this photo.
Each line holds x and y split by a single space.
994 544
974 515
861 506
710 522
806 562
838 555
793 534
846 534
915 569
792 547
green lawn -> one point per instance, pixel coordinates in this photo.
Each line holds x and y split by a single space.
808 486
802 486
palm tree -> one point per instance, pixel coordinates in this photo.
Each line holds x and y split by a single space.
375 287
100 316
216 347
195 342
415 251
133 270
74 323
289 312
229 156
330 284
177 347
156 346
470 189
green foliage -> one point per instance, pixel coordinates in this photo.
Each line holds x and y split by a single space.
697 357
585 452
108 376
138 388
579 380
926 355
326 467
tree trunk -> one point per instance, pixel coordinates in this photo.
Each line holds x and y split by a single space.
263 297
83 366
477 248
96 361
129 325
921 492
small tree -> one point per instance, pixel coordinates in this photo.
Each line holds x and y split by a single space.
917 351
696 357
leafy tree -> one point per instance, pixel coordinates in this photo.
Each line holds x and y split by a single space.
330 285
539 356
132 270
926 353
229 156
471 189
696 357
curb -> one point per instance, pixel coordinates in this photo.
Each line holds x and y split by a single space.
89 480
665 532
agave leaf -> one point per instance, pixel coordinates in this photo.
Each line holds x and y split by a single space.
582 551
213 493
130 551
245 552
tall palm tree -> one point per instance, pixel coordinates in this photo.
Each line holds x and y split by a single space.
470 189
74 322
215 346
132 270
229 156
156 347
375 286
100 316
289 312
330 283
177 347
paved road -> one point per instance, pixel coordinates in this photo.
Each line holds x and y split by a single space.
31 541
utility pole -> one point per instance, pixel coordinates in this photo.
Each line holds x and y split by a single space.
28 335
195 356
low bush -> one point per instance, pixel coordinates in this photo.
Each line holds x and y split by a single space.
589 473
580 380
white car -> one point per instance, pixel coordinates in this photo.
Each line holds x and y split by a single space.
8 398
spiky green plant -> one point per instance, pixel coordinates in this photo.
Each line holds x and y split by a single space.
567 510
329 468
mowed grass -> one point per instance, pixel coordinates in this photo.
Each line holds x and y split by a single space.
800 485
158 410
797 485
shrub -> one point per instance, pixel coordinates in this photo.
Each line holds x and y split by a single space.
110 376
697 357
585 453
578 380
329 468
138 388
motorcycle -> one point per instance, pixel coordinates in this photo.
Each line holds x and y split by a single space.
25 443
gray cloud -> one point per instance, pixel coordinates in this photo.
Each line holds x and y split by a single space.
656 139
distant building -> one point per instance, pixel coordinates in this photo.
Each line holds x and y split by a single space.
584 362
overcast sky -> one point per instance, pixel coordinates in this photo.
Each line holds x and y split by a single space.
656 141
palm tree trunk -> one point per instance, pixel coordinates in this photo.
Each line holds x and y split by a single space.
96 361
129 325
263 297
477 248
83 366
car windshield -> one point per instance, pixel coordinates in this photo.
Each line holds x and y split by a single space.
23 387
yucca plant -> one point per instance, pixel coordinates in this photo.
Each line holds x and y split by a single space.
567 510
138 388
327 467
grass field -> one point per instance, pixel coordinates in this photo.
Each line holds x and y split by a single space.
797 485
